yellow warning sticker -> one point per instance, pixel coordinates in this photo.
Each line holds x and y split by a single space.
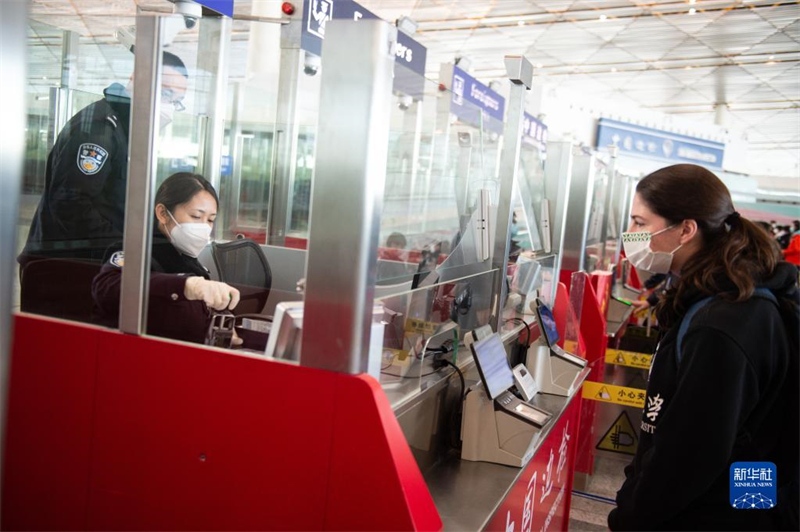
631 359
420 326
610 393
620 436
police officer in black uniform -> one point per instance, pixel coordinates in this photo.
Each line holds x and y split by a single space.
81 211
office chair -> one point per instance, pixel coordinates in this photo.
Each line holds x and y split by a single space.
243 265
60 288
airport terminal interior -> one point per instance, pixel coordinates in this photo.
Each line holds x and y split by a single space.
419 205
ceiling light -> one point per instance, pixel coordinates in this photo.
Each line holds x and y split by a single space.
539 65
688 67
692 11
407 25
520 23
692 1
613 69
771 57
603 17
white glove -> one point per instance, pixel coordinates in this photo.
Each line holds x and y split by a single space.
216 295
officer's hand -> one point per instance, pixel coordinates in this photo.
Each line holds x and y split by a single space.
218 296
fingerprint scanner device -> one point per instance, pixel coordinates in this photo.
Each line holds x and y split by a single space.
285 337
497 426
556 371
525 383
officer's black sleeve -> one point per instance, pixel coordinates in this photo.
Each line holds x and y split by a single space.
82 162
170 314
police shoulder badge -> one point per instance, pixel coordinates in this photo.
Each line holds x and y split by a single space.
118 259
91 158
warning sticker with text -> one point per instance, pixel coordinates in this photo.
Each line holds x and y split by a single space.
610 393
631 359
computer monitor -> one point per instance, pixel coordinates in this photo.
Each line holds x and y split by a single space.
547 325
286 333
493 367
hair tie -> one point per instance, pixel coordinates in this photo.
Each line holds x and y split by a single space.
731 219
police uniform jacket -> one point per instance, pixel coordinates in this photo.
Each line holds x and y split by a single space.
81 212
169 313
731 397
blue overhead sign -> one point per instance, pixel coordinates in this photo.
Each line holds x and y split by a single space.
223 7
534 132
317 13
473 102
640 141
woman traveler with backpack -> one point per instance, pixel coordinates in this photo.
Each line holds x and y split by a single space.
723 385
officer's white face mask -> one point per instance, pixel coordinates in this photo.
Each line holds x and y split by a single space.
190 238
637 249
165 118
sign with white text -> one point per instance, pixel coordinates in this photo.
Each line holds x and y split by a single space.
640 141
409 53
534 133
475 103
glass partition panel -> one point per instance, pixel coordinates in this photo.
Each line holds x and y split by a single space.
76 160
268 166
436 170
421 321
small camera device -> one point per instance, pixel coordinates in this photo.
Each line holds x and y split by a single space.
311 64
190 10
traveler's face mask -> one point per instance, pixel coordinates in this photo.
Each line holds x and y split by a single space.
637 249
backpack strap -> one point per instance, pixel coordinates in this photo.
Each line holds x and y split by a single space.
687 318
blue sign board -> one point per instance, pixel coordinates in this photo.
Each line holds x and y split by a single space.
223 7
409 53
651 143
534 132
472 101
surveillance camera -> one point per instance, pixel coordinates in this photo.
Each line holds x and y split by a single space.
190 10
311 64
404 102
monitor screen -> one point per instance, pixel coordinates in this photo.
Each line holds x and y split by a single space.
286 333
547 323
490 357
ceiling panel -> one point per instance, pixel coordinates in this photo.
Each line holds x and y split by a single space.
628 53
736 33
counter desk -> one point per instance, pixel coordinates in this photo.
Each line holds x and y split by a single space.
481 495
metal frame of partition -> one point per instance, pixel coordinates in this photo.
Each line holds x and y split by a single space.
13 43
213 57
520 73
286 130
145 108
352 152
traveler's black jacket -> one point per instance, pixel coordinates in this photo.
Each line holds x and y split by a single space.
81 212
732 398
169 313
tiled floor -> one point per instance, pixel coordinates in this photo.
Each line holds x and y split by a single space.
591 505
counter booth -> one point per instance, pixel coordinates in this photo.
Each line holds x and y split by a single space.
404 363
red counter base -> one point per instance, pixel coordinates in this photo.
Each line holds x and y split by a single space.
116 432
541 497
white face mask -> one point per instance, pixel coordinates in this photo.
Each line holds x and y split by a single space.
190 238
165 118
637 249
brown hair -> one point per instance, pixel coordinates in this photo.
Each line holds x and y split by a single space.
734 254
